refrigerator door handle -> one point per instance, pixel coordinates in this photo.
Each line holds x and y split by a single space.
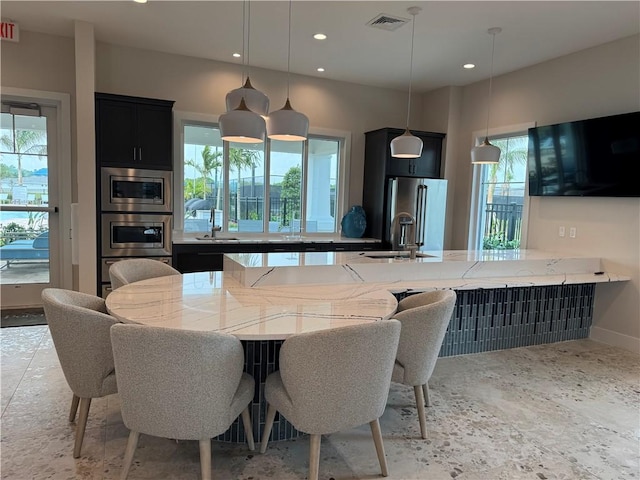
421 213
393 193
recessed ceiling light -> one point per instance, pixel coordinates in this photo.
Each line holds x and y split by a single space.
468 65
320 69
320 36
140 1
237 55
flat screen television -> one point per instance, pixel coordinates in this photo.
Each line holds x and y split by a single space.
597 157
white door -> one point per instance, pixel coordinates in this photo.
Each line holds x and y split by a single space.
29 220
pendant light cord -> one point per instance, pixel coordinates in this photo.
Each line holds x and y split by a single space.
248 34
244 32
413 29
493 46
289 52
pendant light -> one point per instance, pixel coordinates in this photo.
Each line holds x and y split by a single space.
485 153
287 124
255 100
408 145
241 123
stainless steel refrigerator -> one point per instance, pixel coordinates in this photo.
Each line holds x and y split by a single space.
425 199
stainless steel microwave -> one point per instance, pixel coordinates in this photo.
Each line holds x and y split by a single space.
134 234
135 190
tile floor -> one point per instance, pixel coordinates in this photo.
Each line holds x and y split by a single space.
568 410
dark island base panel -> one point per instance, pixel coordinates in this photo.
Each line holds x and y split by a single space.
261 359
483 320
501 318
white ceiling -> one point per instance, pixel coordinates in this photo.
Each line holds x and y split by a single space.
447 33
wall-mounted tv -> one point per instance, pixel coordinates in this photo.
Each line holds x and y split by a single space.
597 157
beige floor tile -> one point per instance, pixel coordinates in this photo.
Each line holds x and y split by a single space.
565 411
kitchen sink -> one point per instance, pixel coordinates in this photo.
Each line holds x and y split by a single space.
395 254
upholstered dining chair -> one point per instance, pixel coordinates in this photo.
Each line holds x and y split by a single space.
333 380
180 384
132 270
79 326
424 317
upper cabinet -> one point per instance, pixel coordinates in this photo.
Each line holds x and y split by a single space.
134 132
378 154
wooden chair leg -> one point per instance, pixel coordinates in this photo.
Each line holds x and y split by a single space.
377 439
314 456
268 424
132 444
417 390
74 407
205 458
248 428
427 398
85 403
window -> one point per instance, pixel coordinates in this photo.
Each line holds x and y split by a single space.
498 207
273 188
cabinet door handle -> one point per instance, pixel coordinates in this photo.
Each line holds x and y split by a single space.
134 154
139 154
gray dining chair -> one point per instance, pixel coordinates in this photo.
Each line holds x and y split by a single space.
333 380
180 384
424 317
79 326
132 270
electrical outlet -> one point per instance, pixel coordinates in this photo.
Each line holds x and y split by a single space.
572 232
561 231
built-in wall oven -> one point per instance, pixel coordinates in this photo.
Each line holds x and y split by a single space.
135 190
135 235
135 218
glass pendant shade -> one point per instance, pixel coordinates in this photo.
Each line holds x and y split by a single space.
287 124
406 146
485 153
255 100
242 125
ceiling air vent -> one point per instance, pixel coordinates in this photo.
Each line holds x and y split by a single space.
387 22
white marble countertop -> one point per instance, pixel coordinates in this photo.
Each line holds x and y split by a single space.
271 296
190 238
211 301
460 269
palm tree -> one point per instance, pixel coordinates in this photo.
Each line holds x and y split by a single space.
27 142
210 161
240 158
514 152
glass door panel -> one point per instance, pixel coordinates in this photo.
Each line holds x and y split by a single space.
27 211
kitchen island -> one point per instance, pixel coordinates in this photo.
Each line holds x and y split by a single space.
506 298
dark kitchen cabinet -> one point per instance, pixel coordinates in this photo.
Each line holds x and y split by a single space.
378 154
204 258
379 166
134 132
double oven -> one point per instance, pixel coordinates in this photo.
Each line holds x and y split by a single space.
135 217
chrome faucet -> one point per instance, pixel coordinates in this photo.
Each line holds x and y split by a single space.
403 233
212 219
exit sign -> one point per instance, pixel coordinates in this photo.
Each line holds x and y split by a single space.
10 31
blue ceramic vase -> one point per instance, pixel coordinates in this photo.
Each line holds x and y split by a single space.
354 222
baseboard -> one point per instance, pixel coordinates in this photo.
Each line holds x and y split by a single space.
615 339
21 311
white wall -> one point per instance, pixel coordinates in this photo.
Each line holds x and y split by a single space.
600 81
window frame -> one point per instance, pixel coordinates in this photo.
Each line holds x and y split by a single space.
184 118
476 201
